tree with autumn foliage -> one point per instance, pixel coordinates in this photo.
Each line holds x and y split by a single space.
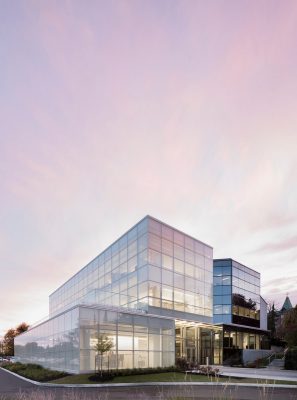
8 339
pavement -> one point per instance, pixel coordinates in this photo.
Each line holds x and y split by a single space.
259 373
13 387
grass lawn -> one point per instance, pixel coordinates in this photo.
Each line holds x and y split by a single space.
164 377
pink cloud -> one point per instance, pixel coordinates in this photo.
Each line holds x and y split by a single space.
183 110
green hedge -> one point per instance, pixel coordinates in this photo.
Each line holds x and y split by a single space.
144 371
109 375
35 372
291 359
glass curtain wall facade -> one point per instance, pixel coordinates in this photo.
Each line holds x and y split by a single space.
245 295
236 293
152 267
53 344
222 291
146 280
242 339
67 342
139 341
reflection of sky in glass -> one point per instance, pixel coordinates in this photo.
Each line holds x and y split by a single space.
138 269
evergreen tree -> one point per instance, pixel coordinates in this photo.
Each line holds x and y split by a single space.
290 327
271 321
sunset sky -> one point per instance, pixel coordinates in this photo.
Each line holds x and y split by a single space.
112 110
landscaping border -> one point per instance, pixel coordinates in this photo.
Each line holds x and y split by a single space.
109 385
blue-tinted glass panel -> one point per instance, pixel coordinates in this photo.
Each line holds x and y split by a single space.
217 309
226 270
217 271
222 263
226 280
218 290
226 299
226 289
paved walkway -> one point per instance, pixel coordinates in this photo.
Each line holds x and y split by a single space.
261 373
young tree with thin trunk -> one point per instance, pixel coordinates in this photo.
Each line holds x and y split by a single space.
104 345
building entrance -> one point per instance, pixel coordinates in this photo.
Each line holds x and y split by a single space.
198 343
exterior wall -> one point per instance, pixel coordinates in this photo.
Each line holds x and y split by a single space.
66 342
263 314
252 355
243 344
241 339
152 267
245 295
109 274
140 341
53 344
236 293
222 291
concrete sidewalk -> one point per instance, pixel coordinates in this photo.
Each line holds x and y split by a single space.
260 373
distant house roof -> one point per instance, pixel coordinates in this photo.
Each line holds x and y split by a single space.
287 305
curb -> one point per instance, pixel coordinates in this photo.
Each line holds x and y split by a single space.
111 385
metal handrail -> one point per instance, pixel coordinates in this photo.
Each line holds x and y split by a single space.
270 356
285 351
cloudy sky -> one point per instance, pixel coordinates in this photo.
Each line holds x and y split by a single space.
111 110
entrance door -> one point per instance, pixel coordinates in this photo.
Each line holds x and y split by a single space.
191 355
206 350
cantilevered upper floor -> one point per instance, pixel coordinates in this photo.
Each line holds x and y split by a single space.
152 267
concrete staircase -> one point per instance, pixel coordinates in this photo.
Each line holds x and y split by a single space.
277 363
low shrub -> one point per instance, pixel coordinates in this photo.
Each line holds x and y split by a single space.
291 358
35 372
102 377
109 375
182 364
144 371
209 371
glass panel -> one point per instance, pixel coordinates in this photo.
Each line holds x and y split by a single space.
167 232
167 261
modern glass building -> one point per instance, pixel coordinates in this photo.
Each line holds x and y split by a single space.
150 292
